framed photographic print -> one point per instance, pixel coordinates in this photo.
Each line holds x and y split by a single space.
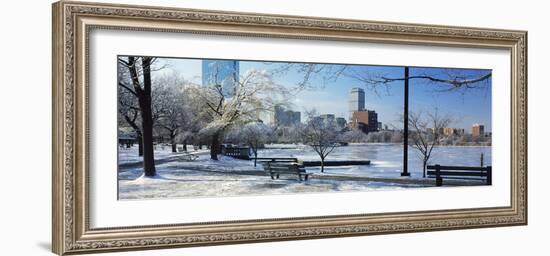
179 127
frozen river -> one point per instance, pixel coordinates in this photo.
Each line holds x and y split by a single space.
386 159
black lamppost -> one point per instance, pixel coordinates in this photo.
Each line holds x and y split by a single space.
406 125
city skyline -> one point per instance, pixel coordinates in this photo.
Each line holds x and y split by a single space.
333 97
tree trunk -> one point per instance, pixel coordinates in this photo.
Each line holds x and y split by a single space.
148 150
215 146
147 120
255 151
322 164
424 164
140 145
185 145
173 142
481 159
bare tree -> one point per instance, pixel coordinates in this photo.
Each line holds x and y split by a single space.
254 135
427 131
197 118
128 105
313 74
172 112
448 80
128 112
139 70
321 135
172 119
128 108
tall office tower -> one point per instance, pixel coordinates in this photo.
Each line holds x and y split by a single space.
224 73
356 101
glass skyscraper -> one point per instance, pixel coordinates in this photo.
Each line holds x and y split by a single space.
224 73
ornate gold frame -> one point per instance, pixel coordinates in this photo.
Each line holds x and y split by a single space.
72 21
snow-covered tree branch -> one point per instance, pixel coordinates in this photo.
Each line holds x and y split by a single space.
255 93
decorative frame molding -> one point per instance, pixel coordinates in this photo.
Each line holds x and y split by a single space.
72 22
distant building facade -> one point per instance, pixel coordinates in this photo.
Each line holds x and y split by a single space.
366 121
282 117
448 131
356 101
224 73
327 118
478 130
339 122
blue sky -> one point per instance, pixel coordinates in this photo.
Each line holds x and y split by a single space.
331 97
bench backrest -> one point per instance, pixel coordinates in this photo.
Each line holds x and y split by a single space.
276 159
282 167
458 170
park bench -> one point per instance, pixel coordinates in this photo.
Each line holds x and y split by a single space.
276 168
459 172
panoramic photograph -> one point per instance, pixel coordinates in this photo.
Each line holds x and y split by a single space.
191 127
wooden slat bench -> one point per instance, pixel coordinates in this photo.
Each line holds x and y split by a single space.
459 172
276 159
276 168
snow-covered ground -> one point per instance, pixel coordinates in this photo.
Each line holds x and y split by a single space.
179 177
